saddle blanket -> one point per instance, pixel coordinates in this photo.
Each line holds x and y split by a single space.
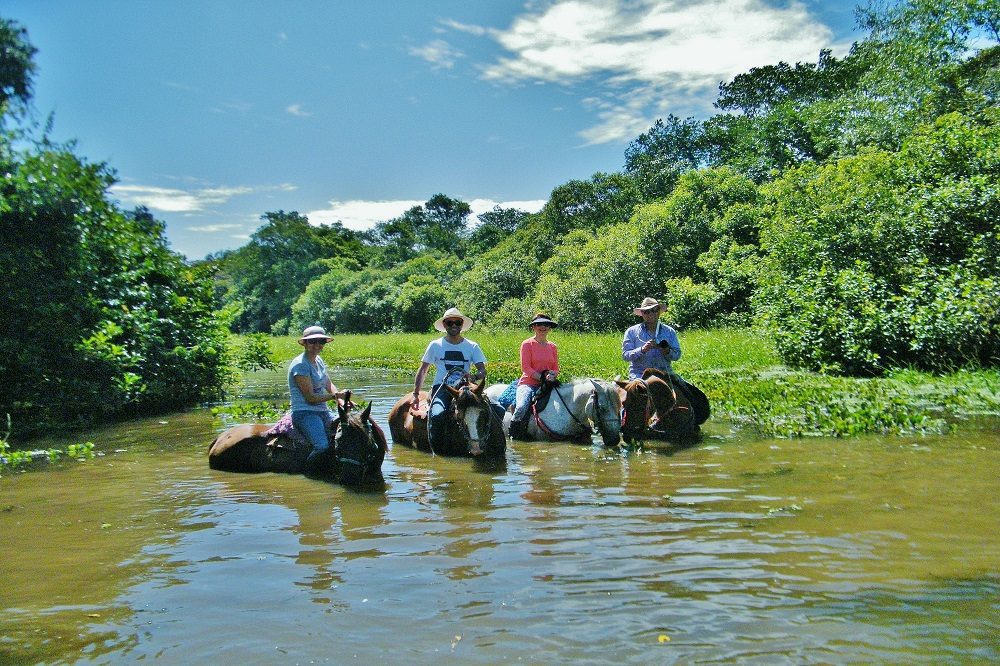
284 427
509 395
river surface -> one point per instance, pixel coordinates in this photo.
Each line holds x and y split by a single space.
738 550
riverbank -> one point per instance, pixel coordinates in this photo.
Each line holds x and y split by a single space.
737 369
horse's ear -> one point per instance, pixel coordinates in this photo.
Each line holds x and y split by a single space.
341 411
367 413
451 389
477 389
621 383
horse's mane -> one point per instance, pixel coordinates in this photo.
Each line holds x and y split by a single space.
661 390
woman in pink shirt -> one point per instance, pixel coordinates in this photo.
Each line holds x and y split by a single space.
539 361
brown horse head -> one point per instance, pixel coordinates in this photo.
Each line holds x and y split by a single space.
359 447
671 407
636 409
474 421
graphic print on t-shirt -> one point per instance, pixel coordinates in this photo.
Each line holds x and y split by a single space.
454 365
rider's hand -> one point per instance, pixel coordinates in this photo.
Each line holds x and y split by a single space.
649 344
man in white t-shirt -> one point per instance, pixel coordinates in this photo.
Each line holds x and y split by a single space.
453 356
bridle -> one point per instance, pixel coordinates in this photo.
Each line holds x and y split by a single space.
367 447
603 420
651 406
649 402
469 398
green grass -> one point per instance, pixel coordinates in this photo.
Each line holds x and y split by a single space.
737 369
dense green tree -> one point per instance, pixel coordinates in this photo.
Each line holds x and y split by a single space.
592 282
658 157
605 198
493 227
17 68
349 299
889 259
271 271
915 49
98 318
778 116
439 225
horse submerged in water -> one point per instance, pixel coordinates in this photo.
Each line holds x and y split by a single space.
572 411
357 449
473 426
662 406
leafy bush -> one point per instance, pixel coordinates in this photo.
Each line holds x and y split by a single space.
593 281
690 305
254 353
889 259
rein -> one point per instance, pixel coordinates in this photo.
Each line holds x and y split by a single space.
557 436
601 420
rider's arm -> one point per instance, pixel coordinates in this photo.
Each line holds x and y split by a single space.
528 368
305 386
418 382
480 373
674 352
631 345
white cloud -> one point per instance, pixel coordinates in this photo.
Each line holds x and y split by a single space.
655 54
360 215
214 228
174 200
296 110
465 27
363 215
439 53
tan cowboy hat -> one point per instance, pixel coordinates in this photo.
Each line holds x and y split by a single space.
314 333
453 313
647 305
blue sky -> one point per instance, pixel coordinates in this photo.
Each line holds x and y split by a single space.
214 112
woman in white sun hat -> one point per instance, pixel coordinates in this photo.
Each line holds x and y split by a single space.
311 389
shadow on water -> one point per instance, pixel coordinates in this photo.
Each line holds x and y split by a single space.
734 550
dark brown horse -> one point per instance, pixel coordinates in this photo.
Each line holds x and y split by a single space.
472 425
661 406
357 450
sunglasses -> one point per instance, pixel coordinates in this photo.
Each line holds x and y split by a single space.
543 325
316 342
453 322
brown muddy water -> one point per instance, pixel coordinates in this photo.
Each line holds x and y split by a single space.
739 550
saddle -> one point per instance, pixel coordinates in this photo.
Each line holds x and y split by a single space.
541 399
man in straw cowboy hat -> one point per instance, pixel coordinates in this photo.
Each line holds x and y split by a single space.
453 356
650 343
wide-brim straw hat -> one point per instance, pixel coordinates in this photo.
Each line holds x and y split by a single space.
314 333
451 313
542 319
647 305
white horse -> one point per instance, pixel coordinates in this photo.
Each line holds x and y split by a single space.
574 411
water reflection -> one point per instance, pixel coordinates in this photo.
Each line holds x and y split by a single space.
737 550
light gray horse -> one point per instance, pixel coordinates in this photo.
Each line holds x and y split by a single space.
574 411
